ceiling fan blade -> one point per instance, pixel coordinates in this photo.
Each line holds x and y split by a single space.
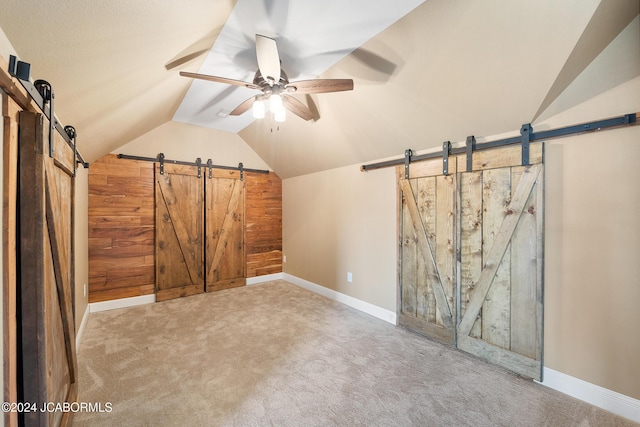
240 109
268 58
219 79
194 50
320 85
297 107
183 59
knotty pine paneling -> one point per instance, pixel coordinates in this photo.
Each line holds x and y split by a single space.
263 223
121 229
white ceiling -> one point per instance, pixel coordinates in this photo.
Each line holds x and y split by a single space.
311 37
445 70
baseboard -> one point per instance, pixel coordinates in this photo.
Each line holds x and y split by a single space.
83 323
373 310
95 307
608 400
261 279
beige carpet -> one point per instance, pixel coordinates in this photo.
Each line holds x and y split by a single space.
277 355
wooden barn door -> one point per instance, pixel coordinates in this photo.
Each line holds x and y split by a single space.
501 232
427 254
48 353
488 301
179 232
225 251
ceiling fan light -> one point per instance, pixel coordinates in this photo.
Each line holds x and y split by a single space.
259 109
280 116
275 103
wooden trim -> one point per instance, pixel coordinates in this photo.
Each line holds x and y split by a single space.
428 329
185 291
522 365
10 112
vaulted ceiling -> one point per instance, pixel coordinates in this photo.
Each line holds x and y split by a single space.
445 70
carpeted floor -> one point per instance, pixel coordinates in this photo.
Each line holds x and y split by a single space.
277 355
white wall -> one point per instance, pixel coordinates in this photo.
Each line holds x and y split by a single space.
344 219
340 221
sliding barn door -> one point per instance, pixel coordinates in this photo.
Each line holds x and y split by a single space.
487 300
47 331
501 230
427 262
225 251
179 232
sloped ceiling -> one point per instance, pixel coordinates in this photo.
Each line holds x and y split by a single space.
446 70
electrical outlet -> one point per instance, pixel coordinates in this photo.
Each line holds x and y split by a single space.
284 258
349 277
85 290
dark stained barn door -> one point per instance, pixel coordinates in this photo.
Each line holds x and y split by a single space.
48 353
225 250
199 231
179 232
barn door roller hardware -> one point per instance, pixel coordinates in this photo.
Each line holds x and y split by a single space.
46 91
161 159
471 146
241 169
525 131
41 93
526 137
446 150
407 162
71 133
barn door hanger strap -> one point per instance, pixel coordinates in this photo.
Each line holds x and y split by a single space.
471 146
407 161
446 150
46 91
526 131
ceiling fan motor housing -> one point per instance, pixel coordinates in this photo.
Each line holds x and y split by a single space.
258 80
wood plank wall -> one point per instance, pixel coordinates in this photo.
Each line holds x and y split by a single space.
122 229
263 223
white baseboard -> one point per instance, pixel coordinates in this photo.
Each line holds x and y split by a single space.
95 307
373 310
261 279
608 400
83 323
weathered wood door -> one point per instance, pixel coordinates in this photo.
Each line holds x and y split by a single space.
488 301
179 232
225 251
427 253
48 353
501 231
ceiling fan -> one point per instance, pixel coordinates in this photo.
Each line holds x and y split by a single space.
274 84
